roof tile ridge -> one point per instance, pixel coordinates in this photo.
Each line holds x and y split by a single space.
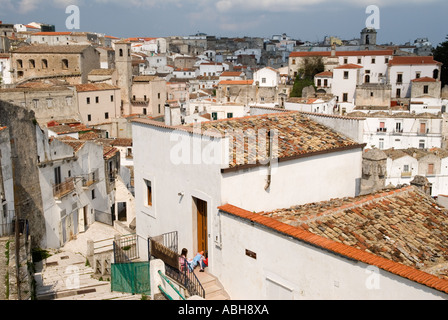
356 204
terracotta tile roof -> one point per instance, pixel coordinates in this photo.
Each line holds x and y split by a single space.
231 74
350 66
95 87
425 79
51 33
101 72
342 53
144 78
405 60
298 136
109 152
74 143
402 231
237 82
325 74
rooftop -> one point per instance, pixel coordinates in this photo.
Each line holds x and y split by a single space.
411 60
342 53
402 231
95 87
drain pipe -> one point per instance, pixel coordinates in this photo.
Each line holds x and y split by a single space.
268 182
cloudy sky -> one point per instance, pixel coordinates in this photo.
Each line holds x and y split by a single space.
400 21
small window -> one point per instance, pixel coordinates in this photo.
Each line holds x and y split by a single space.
359 60
89 117
400 78
373 60
88 100
19 64
32 64
386 60
106 115
93 194
398 93
64 64
145 112
214 115
425 89
97 99
431 168
263 80
230 115
345 60
111 98
148 193
406 168
417 75
345 74
44 63
345 97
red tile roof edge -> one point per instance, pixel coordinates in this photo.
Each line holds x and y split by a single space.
399 269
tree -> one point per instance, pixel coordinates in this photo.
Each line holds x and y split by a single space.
305 75
440 54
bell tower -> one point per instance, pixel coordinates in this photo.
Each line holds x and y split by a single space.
368 37
123 64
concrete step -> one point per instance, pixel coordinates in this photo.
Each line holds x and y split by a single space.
213 288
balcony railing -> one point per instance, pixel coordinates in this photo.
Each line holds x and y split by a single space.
62 189
422 132
406 174
382 130
91 178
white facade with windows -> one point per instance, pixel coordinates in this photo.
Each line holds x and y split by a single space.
267 77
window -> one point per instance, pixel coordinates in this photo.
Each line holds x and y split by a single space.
373 60
89 117
158 95
64 64
367 79
381 144
293 61
159 108
371 94
359 60
263 80
325 83
422 127
145 111
229 115
398 93
406 168
88 100
49 103
148 193
44 63
430 168
421 144
121 52
435 74
345 74
19 64
386 60
425 89
57 175
97 99
32 64
144 97
106 115
319 82
399 78
344 97
345 60
111 98
417 75
214 115
93 194
398 127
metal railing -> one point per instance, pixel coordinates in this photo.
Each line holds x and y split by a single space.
62 189
91 178
165 278
125 249
165 248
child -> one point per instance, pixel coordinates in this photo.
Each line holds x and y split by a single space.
197 260
204 262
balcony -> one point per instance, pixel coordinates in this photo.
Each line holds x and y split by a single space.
406 174
381 130
398 131
422 132
91 178
63 189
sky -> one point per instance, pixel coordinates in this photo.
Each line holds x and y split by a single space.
400 21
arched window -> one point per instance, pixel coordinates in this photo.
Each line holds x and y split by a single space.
367 39
121 52
367 79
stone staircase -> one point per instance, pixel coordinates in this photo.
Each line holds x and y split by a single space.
65 276
213 288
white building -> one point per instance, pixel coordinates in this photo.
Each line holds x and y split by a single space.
267 77
212 68
72 181
402 70
345 79
180 188
5 69
401 130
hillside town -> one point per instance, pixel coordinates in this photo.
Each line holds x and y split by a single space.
294 169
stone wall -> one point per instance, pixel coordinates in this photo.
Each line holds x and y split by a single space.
22 127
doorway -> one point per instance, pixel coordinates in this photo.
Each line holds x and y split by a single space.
201 217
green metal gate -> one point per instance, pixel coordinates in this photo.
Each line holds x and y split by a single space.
131 278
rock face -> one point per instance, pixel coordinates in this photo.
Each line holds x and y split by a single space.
373 171
308 92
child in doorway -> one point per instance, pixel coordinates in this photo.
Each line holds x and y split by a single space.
197 260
